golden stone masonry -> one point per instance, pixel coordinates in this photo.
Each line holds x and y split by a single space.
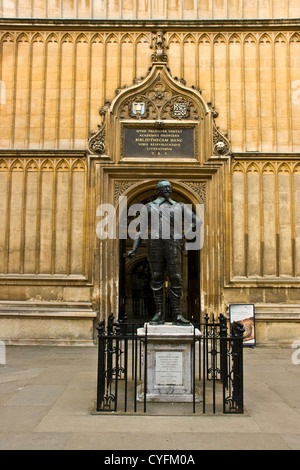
101 99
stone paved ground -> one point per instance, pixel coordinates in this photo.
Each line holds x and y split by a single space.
47 393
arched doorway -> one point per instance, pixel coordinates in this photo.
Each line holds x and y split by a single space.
135 293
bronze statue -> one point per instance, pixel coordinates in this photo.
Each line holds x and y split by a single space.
164 252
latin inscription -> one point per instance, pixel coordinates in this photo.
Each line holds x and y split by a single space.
163 143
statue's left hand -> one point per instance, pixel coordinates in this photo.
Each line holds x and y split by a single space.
130 254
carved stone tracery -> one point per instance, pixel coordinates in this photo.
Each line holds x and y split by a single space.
120 187
161 103
164 98
199 188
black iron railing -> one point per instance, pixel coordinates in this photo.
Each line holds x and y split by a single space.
216 368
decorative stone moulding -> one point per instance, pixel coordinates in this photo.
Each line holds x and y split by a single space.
159 101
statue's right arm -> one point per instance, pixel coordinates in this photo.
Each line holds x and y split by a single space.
137 241
135 247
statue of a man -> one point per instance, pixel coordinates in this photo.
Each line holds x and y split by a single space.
165 249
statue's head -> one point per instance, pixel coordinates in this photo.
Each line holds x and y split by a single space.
164 188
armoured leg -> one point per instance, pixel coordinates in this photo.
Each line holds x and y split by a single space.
158 292
174 272
178 319
156 260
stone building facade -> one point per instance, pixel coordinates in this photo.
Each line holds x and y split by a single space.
237 66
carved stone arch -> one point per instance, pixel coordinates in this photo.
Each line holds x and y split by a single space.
268 168
296 168
280 38
127 39
62 165
17 165
158 85
7 37
204 39
22 37
265 39
250 39
3 165
284 168
32 165
47 165
134 191
97 38
174 38
219 38
234 39
295 37
112 39
82 38
253 168
78 165
37 37
238 168
132 188
52 37
189 39
160 100
67 38
142 39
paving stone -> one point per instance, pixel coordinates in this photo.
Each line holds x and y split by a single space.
20 418
121 441
33 441
230 441
36 395
47 394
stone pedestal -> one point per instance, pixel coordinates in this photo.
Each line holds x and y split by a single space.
169 363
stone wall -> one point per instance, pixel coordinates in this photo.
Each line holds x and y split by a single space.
53 83
151 9
56 75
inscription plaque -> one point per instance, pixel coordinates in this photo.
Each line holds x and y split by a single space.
168 368
150 142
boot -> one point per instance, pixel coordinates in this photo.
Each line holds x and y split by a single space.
159 317
178 319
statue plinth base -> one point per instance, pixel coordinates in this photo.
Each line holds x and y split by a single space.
169 363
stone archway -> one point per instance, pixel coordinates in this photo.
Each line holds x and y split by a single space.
160 128
134 276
